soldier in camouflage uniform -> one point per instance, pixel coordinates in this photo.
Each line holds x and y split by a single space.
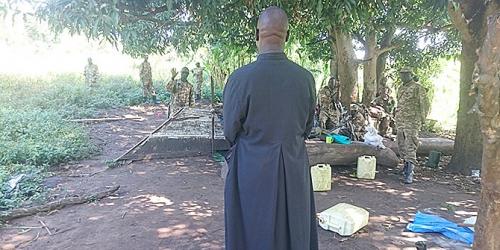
147 81
410 115
181 90
91 73
329 105
198 76
359 120
381 109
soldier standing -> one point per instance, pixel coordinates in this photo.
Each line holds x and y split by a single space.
91 73
410 115
181 90
329 106
198 76
147 81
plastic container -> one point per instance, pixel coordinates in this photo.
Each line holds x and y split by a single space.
367 165
321 176
434 158
344 219
329 139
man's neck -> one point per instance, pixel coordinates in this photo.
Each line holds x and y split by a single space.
266 49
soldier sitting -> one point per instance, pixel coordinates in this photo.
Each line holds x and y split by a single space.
358 120
329 105
381 109
181 90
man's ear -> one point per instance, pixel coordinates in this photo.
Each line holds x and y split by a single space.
257 35
287 35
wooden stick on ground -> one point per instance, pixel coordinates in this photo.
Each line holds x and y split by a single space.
186 118
106 119
46 227
154 131
21 227
22 212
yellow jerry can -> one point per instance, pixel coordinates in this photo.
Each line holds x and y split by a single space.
321 176
367 165
344 219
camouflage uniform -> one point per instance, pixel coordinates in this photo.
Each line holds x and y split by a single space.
91 73
410 115
198 76
359 119
381 109
147 80
329 106
181 90
385 101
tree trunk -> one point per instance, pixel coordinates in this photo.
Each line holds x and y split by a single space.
467 149
488 224
381 63
470 20
333 61
347 66
370 69
386 42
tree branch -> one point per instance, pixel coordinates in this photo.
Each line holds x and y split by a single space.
386 49
458 20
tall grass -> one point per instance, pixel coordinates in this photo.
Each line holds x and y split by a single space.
35 133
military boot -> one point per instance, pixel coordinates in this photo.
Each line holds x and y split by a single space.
408 172
155 101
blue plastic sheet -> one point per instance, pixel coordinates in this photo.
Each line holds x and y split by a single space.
340 139
428 223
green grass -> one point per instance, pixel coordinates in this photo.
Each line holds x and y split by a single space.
35 133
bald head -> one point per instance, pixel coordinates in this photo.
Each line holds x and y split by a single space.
272 29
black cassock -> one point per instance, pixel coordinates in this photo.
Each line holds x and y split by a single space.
268 200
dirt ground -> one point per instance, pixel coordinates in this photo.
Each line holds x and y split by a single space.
178 203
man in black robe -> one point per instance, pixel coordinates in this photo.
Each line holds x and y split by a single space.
268 112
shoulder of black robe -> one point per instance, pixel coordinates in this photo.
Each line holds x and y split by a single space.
234 103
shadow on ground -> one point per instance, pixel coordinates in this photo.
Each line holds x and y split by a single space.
178 203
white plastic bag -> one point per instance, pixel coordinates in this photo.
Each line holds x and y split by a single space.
372 138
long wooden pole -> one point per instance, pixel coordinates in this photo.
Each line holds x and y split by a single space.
147 137
212 90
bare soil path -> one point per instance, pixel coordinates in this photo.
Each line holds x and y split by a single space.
178 203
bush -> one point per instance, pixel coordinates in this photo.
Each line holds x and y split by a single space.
68 94
28 190
40 138
34 129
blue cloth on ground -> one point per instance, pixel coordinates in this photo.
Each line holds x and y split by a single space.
428 223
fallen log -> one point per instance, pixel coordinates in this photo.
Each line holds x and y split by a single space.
338 154
443 145
22 212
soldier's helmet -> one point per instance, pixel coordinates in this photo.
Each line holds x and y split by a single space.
185 70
